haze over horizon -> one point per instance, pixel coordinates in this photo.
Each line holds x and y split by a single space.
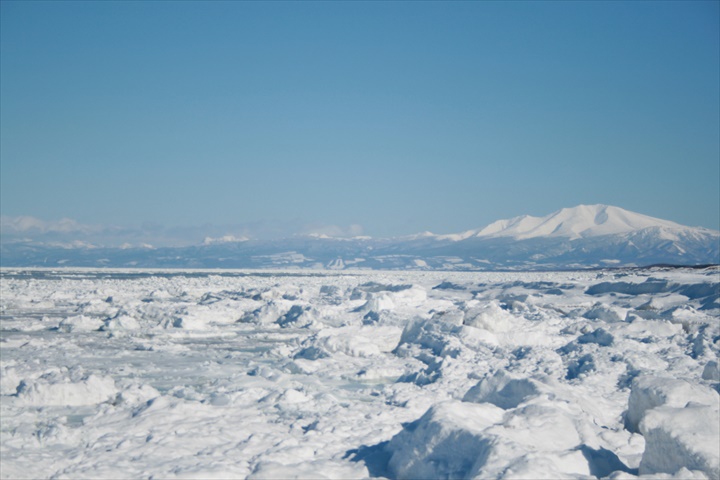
570 223
379 119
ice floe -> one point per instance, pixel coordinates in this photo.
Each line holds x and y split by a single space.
360 374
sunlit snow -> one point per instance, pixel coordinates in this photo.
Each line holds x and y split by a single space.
232 374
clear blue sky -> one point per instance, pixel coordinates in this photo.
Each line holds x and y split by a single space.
399 117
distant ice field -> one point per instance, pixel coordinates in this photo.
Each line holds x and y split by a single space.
359 374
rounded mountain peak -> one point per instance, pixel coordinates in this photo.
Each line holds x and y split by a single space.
581 221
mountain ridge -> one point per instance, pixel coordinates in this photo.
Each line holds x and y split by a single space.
586 236
581 221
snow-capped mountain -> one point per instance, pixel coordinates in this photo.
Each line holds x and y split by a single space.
582 221
585 236
579 222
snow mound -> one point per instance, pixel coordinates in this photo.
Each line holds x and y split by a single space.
51 390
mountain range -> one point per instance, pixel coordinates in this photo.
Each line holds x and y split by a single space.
586 236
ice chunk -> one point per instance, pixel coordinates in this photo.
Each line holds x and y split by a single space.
435 335
540 427
357 341
502 390
681 437
297 316
606 313
446 442
292 396
136 395
491 317
580 366
649 392
9 380
545 465
448 286
637 326
454 317
390 298
711 371
298 463
266 314
190 322
378 302
80 323
650 286
121 322
470 440
599 336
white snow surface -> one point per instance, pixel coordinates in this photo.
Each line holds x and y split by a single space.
357 374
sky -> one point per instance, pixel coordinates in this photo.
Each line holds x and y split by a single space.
348 118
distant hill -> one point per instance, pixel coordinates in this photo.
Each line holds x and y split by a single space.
585 236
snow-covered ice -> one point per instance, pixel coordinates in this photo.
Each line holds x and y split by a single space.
357 374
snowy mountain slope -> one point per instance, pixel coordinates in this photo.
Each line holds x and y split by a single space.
579 237
578 222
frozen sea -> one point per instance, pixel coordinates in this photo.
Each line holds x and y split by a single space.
359 374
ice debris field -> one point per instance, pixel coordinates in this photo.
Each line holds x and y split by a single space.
132 374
